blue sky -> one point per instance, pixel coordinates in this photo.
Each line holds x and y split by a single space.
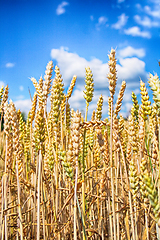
76 34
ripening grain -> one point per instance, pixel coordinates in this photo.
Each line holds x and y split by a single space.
65 177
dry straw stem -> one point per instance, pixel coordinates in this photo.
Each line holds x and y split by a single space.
133 177
112 77
155 87
88 95
19 221
65 177
39 193
75 133
134 185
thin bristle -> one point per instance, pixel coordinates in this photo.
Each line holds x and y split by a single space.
67 175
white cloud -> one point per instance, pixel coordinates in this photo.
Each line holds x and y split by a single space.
155 12
136 32
101 21
10 65
61 8
24 105
77 100
146 21
129 69
130 52
122 20
69 63
21 88
72 64
153 9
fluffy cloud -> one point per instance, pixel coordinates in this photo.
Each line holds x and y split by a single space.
61 8
101 21
153 9
146 21
23 104
72 64
155 12
122 20
136 32
130 68
10 65
130 52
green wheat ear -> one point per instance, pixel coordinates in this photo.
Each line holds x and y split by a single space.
88 94
152 195
99 108
135 105
154 83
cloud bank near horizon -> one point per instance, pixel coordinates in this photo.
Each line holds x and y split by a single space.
130 67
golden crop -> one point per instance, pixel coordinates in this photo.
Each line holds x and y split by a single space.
64 177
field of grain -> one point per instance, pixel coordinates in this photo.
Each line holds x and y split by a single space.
65 177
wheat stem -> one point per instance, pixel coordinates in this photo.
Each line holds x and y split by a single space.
39 193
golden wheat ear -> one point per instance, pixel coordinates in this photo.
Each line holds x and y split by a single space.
64 177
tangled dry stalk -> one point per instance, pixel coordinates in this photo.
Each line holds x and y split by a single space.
64 177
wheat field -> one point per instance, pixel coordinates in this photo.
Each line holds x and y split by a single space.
65 177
